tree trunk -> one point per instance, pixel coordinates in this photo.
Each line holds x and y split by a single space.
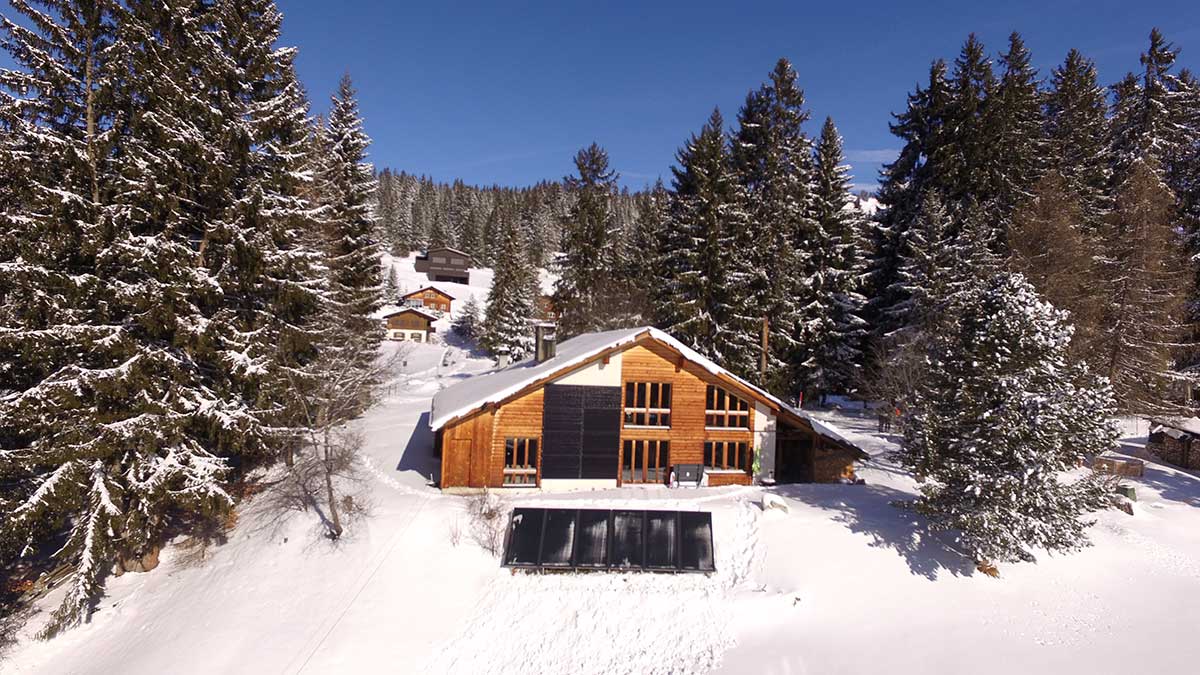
335 521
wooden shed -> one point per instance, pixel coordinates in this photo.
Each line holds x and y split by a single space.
1176 441
624 407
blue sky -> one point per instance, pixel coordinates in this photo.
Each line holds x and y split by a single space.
505 92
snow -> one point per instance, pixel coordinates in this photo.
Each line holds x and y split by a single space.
842 582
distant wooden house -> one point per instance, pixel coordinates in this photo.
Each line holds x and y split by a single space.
445 264
429 298
622 407
545 308
1176 441
409 323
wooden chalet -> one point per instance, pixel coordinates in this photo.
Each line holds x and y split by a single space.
409 323
429 298
621 407
445 264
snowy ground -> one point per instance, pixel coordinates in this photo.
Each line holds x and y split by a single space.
842 583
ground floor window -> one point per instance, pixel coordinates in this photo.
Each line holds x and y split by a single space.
727 455
520 461
645 461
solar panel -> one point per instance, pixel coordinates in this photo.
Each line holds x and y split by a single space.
597 539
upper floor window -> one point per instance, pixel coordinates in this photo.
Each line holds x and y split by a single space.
440 259
724 410
457 261
648 404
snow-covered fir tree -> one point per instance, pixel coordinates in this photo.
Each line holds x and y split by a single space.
699 286
772 157
347 184
838 305
1016 125
175 145
512 302
592 290
469 321
1001 415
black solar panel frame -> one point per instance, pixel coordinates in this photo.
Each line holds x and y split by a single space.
610 563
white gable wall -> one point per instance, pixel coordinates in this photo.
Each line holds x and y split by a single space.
765 428
595 374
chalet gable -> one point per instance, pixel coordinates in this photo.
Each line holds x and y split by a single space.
501 386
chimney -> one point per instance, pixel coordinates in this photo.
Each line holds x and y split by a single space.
544 340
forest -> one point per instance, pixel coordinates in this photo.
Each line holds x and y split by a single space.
190 258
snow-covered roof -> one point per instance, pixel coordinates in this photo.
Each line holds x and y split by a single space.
414 310
470 394
1190 425
428 288
447 248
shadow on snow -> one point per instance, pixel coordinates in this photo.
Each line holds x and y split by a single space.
869 510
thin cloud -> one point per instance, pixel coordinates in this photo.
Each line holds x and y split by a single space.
877 156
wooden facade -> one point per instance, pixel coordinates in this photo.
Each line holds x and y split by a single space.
409 324
445 264
430 298
476 447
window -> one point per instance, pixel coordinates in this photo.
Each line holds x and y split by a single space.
439 259
458 262
724 410
727 455
520 461
647 404
645 461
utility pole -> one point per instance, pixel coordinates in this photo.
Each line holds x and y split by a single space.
762 362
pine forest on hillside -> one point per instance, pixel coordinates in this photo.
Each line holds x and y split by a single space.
190 271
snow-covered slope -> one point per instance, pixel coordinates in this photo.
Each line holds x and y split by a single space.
843 582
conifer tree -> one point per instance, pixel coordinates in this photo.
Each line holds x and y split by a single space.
1017 134
839 354
1001 414
469 320
964 153
587 281
698 295
772 157
1055 249
349 218
1077 130
1145 288
904 185
507 328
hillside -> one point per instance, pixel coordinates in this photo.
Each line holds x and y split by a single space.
794 592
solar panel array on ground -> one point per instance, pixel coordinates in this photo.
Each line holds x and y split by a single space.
602 539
